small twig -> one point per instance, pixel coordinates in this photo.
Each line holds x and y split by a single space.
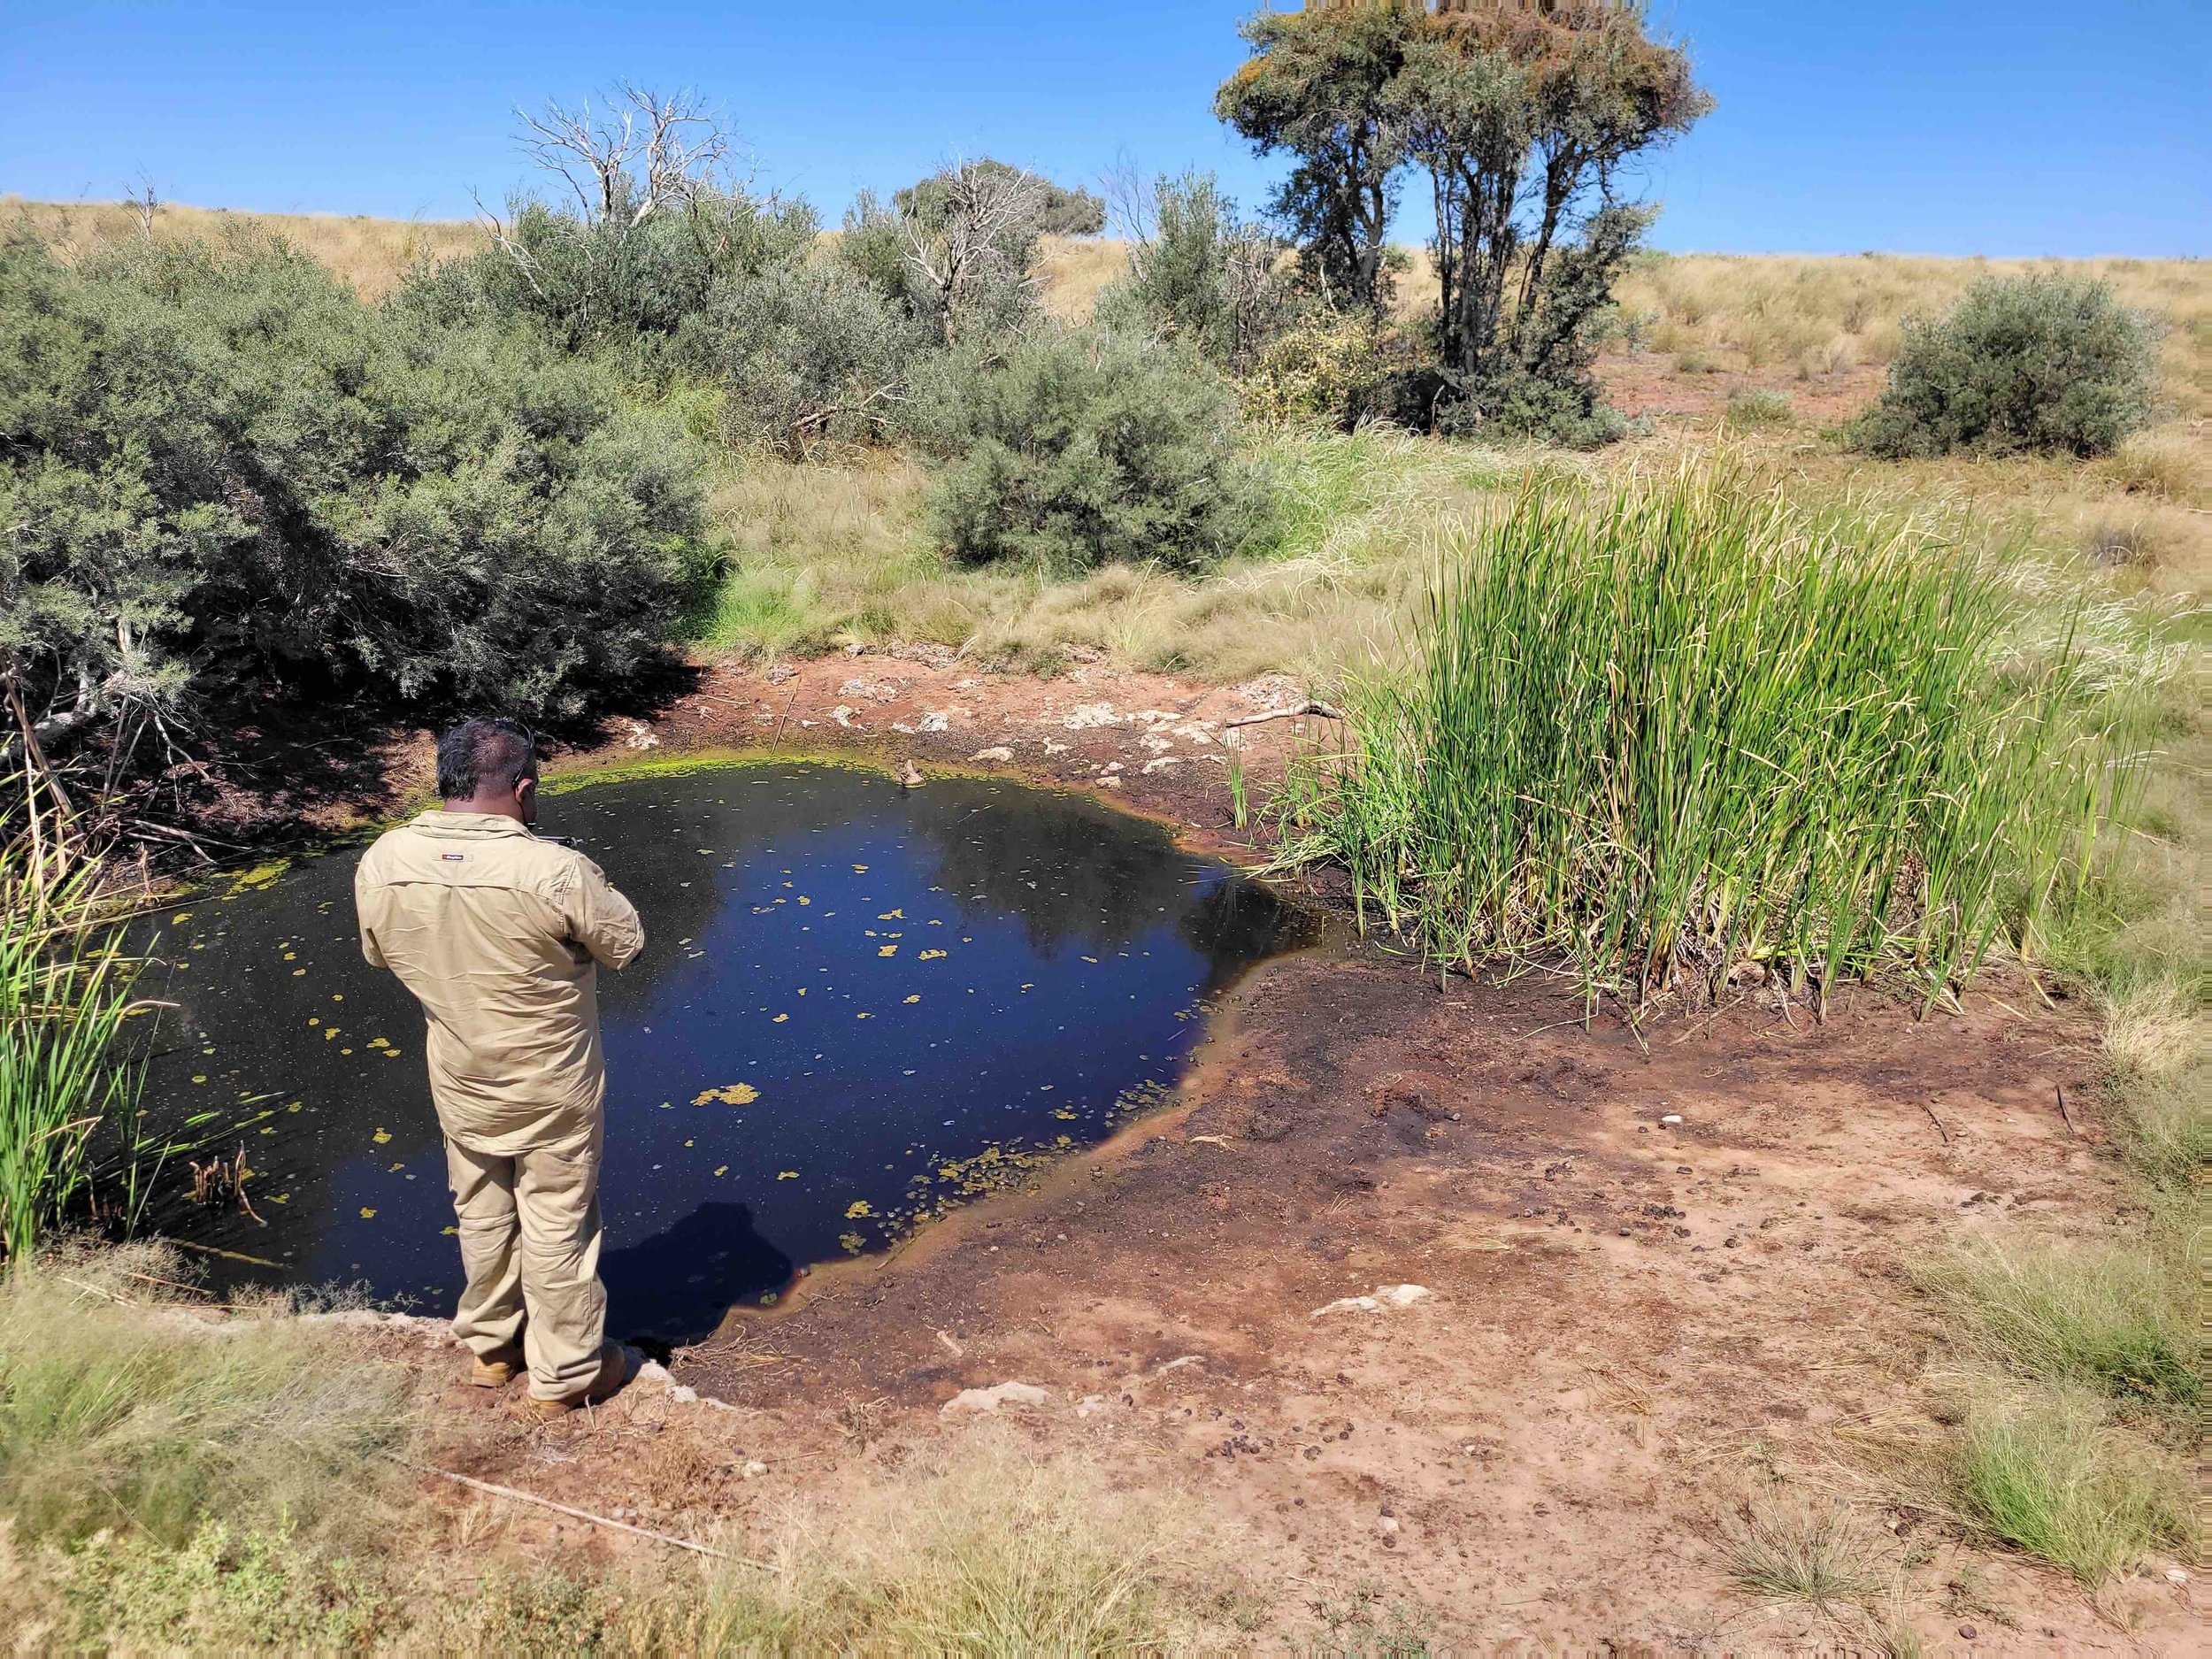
1321 708
496 1491
1936 1121
117 1297
2063 1113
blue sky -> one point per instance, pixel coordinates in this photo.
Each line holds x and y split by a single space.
1943 126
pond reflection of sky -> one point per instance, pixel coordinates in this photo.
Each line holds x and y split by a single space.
857 1006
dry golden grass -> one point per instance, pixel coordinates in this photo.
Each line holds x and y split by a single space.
1074 269
369 253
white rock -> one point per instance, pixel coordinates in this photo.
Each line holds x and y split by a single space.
683 1395
1089 716
1163 763
1389 1524
1006 1394
652 1370
936 720
1177 1365
843 714
1672 1119
1385 1297
754 1471
1090 1405
1052 748
1351 1304
1000 753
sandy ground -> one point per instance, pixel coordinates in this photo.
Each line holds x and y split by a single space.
1664 1279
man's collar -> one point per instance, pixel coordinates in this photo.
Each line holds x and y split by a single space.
444 823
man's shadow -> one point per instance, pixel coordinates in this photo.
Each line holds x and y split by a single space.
675 1287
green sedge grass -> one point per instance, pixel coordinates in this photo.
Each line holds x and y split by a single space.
1661 731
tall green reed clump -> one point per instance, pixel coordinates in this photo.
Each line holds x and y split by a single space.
1663 732
65 994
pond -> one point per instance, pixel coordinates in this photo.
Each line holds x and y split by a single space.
859 1006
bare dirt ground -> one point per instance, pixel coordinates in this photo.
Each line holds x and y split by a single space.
1664 1279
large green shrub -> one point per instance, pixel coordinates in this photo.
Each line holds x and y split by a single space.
805 354
1088 449
2045 363
220 471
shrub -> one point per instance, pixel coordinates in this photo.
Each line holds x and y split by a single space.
1198 276
2047 363
1665 732
219 469
805 354
606 280
1089 449
1326 370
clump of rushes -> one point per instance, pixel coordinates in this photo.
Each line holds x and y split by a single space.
65 994
1666 732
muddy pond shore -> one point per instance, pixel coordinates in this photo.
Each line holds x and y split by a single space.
1633 1325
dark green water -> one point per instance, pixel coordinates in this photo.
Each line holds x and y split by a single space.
858 1006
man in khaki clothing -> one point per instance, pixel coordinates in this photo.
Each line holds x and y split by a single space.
500 936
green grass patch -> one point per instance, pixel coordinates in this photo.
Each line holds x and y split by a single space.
2044 1472
119 1413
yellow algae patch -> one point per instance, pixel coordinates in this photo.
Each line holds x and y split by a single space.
724 1170
858 1208
915 998
933 956
381 1136
787 1175
734 1094
367 1213
853 1242
893 915
887 950
182 916
254 880
780 1019
804 900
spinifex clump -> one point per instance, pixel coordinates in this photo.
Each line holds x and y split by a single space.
1664 732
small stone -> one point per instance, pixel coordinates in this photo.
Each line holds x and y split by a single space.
683 1394
1090 1405
754 1471
1967 1631
999 754
1671 1120
1389 1524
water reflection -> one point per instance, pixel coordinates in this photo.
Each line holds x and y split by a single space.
858 1006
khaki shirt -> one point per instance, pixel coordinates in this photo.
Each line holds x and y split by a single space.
499 935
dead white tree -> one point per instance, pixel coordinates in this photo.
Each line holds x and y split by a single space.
973 225
637 153
143 205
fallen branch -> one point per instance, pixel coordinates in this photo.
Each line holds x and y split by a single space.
2063 1113
510 1493
1936 1121
1321 708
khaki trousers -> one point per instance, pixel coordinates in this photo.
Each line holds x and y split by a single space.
529 1230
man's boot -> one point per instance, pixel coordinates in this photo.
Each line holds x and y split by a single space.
614 1370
